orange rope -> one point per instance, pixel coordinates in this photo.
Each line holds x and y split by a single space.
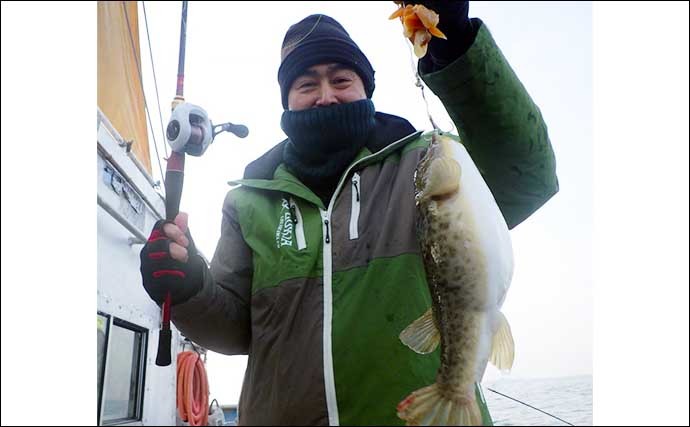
192 389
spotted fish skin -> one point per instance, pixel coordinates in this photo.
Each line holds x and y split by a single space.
465 246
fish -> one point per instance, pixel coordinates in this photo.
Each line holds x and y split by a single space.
468 260
419 25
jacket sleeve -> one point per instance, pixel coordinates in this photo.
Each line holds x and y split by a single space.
218 317
499 124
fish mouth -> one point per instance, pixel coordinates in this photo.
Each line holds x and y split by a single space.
443 197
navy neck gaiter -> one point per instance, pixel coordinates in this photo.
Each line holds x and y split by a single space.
323 141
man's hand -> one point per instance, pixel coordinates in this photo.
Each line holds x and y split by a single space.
176 233
170 262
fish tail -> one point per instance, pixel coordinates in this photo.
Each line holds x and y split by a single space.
427 406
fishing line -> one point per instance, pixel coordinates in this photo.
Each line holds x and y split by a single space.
420 85
290 45
543 412
155 82
141 82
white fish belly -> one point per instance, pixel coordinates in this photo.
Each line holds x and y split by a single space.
490 228
477 269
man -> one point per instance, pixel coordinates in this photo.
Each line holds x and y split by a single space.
318 269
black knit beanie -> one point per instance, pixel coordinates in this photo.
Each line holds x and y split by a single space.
320 39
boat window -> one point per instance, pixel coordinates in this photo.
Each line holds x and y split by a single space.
103 321
123 383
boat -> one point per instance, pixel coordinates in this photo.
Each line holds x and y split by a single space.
132 388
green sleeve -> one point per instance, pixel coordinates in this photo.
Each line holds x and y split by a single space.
501 127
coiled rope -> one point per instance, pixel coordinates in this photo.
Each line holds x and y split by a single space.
192 389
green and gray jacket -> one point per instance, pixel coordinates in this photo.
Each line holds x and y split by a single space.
317 295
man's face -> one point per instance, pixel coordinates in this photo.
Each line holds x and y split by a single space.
323 85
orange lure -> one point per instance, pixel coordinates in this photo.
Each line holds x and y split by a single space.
419 25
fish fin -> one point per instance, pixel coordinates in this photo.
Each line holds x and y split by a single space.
443 177
427 406
503 346
422 335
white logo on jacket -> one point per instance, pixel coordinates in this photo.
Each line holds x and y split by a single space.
284 231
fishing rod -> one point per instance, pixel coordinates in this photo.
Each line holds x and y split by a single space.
189 131
543 412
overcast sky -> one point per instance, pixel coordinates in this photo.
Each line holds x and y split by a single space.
232 58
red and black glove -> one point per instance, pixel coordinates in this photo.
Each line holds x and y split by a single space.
161 273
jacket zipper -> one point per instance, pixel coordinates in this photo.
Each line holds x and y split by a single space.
328 374
299 224
354 212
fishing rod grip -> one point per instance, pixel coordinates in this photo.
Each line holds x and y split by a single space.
174 178
164 355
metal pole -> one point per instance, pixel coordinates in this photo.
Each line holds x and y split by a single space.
122 220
